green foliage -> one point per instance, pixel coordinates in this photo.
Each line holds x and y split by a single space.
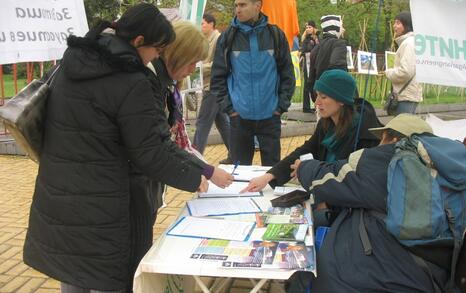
97 10
353 17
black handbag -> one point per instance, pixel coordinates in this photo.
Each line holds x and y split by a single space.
24 115
391 103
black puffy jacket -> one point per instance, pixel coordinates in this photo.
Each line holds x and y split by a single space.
104 111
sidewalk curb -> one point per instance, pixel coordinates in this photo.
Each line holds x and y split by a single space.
300 123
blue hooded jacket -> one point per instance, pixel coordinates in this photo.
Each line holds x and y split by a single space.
255 83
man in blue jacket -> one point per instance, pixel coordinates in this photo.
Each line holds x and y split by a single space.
253 78
358 186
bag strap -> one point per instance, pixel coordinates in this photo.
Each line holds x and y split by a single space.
230 34
409 81
51 77
366 244
422 264
458 242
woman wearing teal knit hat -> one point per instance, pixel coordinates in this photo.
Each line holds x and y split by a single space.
335 134
335 137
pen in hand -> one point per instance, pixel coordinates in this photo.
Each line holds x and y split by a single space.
234 168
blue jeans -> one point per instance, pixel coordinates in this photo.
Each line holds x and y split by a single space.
208 113
268 132
406 107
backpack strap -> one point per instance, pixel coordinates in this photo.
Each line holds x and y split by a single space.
367 246
458 239
422 264
230 34
275 32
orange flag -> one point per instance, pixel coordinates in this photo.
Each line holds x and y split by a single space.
284 14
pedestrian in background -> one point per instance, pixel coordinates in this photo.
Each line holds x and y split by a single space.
309 40
402 75
210 110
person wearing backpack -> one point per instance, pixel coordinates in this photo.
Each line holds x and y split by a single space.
359 253
253 79
330 53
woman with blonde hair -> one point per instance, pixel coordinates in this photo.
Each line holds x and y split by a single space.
177 61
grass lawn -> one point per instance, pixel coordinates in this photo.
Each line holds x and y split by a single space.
9 85
432 94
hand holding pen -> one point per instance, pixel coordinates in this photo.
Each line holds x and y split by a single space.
221 178
234 168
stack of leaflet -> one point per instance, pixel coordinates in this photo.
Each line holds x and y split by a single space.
255 254
284 224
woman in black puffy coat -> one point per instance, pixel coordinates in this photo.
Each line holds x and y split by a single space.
105 119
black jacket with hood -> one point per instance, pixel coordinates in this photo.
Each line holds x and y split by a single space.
104 111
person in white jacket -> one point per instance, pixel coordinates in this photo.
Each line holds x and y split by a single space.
402 75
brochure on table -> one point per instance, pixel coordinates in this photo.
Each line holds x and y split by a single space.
255 254
168 252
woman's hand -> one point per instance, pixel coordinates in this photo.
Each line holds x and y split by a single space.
294 167
204 185
221 178
258 183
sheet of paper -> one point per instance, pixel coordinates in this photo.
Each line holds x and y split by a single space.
246 173
281 190
222 206
231 191
211 228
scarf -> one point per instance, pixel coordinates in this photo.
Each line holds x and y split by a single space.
178 124
333 144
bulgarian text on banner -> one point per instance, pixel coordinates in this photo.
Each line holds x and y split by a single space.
36 30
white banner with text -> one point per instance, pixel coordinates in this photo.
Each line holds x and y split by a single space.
440 29
36 30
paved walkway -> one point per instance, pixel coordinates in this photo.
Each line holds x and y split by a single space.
17 177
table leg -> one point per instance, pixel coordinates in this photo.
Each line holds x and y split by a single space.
219 284
258 285
201 284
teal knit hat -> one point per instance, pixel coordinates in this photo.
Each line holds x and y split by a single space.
338 85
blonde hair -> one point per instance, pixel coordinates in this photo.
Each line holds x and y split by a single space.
189 46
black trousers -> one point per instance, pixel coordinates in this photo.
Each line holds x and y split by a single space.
308 94
242 132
